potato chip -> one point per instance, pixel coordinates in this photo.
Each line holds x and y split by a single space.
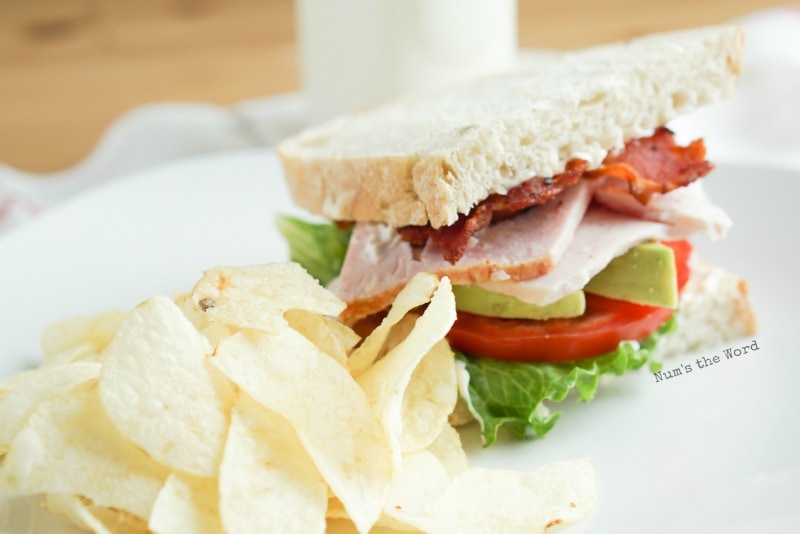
339 525
417 291
479 499
267 481
421 480
93 331
449 451
398 333
186 503
463 412
49 382
80 352
243 406
329 335
186 303
385 383
76 510
429 398
69 445
330 413
159 391
252 296
336 509
423 476
213 331
345 526
10 383
100 520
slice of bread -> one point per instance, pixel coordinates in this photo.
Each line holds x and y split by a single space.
427 159
714 309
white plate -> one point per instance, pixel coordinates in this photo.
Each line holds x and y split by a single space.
711 451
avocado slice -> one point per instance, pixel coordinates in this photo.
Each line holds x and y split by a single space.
475 299
645 275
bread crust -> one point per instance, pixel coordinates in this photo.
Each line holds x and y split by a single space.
428 159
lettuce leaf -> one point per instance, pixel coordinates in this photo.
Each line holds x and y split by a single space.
513 394
319 248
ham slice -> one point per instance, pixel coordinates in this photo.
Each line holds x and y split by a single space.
601 236
379 262
686 207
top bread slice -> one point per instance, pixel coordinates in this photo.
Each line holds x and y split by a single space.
426 159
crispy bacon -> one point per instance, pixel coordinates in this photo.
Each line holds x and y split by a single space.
644 166
452 240
653 164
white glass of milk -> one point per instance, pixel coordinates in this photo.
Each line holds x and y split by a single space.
358 53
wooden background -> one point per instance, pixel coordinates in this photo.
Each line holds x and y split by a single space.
68 68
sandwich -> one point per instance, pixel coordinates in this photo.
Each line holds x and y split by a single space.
557 201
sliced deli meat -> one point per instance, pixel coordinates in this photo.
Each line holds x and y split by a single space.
607 233
539 255
379 261
601 236
686 207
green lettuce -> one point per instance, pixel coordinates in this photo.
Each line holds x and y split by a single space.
513 394
319 247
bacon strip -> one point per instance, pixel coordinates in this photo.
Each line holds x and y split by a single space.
653 164
453 239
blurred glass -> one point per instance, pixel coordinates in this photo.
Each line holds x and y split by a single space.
357 53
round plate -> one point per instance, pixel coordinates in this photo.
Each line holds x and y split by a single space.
713 450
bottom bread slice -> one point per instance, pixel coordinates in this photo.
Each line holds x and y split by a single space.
714 308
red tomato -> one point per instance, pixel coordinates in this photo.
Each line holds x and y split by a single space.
600 329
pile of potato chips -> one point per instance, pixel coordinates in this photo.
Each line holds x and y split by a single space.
244 406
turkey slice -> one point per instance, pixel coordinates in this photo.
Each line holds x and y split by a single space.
602 235
378 262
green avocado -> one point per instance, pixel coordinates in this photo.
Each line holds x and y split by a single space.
475 299
645 275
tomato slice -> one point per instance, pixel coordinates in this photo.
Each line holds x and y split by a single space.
600 329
